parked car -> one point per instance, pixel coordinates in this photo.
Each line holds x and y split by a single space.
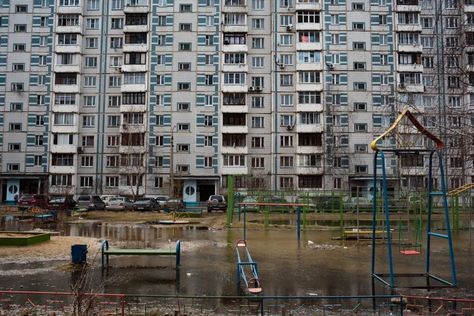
146 204
277 200
106 198
249 208
216 202
65 202
120 203
28 200
174 205
90 202
162 201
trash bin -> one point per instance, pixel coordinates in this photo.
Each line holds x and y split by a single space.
79 254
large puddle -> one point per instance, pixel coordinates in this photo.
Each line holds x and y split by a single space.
317 265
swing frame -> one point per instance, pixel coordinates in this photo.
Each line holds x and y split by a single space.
388 278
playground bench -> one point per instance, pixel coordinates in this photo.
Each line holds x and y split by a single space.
108 251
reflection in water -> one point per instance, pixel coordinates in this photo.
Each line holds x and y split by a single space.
323 266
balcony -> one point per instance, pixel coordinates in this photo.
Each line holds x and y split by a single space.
235 28
308 5
135 28
69 10
235 129
136 6
411 87
242 88
132 149
413 171
235 48
237 150
309 46
235 68
63 108
132 128
135 48
231 6
132 170
308 26
313 107
69 29
234 108
134 68
132 108
407 6
309 66
66 88
468 8
71 49
410 48
309 128
234 170
408 27
67 68
309 170
63 149
410 67
133 88
306 150
62 169
309 87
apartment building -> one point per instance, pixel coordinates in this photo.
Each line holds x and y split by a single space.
165 97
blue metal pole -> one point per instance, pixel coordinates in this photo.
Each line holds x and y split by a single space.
430 203
299 224
245 222
374 211
238 199
387 219
446 217
178 254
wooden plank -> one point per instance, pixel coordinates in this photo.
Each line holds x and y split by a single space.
139 252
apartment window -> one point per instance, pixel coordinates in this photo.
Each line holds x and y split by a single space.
310 77
12 167
207 141
14 146
258 42
161 20
161 40
91 42
209 80
309 57
186 8
160 140
286 120
286 4
184 106
19 28
66 59
18 86
357 6
451 22
113 120
86 181
286 59
112 161
18 67
361 168
359 106
115 61
19 47
358 46
258 4
67 39
309 97
117 4
116 24
15 126
257 102
234 160
258 122
88 141
208 59
286 80
90 81
113 141
427 23
92 5
310 118
88 121
286 141
16 106
286 20
207 120
257 62
235 58
257 142
63 139
184 127
286 161
89 100
359 66
208 162
184 86
257 162
184 46
158 182
234 78
159 161
114 81
182 147
185 27
87 161
286 39
286 182
21 8
91 62
360 127
92 24
116 42
111 181
360 86
358 26
258 23
286 100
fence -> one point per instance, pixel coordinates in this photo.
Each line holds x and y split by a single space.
65 303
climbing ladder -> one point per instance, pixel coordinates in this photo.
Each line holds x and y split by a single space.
433 154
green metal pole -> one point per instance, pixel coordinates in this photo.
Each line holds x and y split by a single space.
341 222
456 213
230 198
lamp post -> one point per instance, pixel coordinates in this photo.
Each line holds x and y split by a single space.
171 188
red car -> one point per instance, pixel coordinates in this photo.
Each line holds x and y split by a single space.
33 200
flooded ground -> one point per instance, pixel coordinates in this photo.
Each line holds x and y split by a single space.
317 265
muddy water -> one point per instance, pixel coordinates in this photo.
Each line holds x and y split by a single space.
318 265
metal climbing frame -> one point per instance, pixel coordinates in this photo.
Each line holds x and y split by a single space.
429 234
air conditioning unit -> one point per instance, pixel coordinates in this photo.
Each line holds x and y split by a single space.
251 88
124 126
80 150
226 42
257 88
330 65
290 127
289 27
401 86
282 66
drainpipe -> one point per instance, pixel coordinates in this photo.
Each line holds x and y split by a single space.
275 95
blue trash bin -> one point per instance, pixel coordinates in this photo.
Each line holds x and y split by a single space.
79 254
